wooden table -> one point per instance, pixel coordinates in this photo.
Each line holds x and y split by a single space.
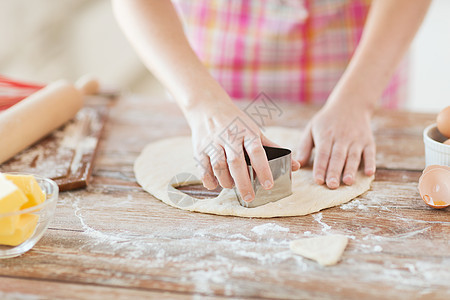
115 241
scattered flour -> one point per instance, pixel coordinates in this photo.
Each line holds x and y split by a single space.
377 248
411 268
71 138
115 241
239 236
202 279
371 202
373 237
6 295
200 264
268 227
318 218
413 233
353 204
243 271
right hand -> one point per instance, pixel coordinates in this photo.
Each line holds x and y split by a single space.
220 133
341 134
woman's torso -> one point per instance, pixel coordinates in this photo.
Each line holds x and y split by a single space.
292 50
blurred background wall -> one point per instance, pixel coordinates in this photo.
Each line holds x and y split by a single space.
44 40
430 63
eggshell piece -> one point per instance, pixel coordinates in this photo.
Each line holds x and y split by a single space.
432 167
434 187
443 121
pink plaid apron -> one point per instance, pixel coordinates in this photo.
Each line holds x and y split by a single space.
292 50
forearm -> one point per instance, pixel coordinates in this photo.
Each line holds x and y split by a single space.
153 27
389 30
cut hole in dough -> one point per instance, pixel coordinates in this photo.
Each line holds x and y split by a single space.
197 190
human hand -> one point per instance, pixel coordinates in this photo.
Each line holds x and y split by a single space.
220 133
341 135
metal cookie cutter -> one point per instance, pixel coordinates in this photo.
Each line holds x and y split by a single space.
280 165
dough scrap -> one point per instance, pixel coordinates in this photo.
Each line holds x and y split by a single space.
169 162
326 250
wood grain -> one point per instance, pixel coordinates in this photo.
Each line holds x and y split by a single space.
113 240
66 155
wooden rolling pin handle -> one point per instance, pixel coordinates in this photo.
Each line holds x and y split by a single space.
36 116
88 84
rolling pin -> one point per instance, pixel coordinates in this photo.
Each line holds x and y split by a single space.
36 116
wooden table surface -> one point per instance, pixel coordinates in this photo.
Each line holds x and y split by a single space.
112 240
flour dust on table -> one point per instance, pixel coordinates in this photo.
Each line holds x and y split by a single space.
168 163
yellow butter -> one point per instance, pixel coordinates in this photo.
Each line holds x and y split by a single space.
29 186
24 229
8 224
18 192
11 197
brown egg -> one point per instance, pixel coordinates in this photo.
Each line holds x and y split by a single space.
434 186
447 142
443 121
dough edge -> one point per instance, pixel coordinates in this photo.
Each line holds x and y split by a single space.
326 250
165 159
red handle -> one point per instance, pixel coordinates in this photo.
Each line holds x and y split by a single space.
13 91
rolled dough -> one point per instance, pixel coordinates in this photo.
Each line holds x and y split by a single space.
169 162
326 250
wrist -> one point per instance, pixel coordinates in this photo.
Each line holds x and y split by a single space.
206 104
354 95
206 98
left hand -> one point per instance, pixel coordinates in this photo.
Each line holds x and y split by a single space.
342 135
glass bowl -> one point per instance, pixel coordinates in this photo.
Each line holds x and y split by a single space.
43 213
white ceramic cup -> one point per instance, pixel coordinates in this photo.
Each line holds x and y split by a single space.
436 152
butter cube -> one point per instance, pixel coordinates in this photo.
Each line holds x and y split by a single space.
29 186
24 229
11 197
8 224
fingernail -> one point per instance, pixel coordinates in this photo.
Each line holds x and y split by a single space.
348 177
248 198
320 180
370 171
268 184
332 182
